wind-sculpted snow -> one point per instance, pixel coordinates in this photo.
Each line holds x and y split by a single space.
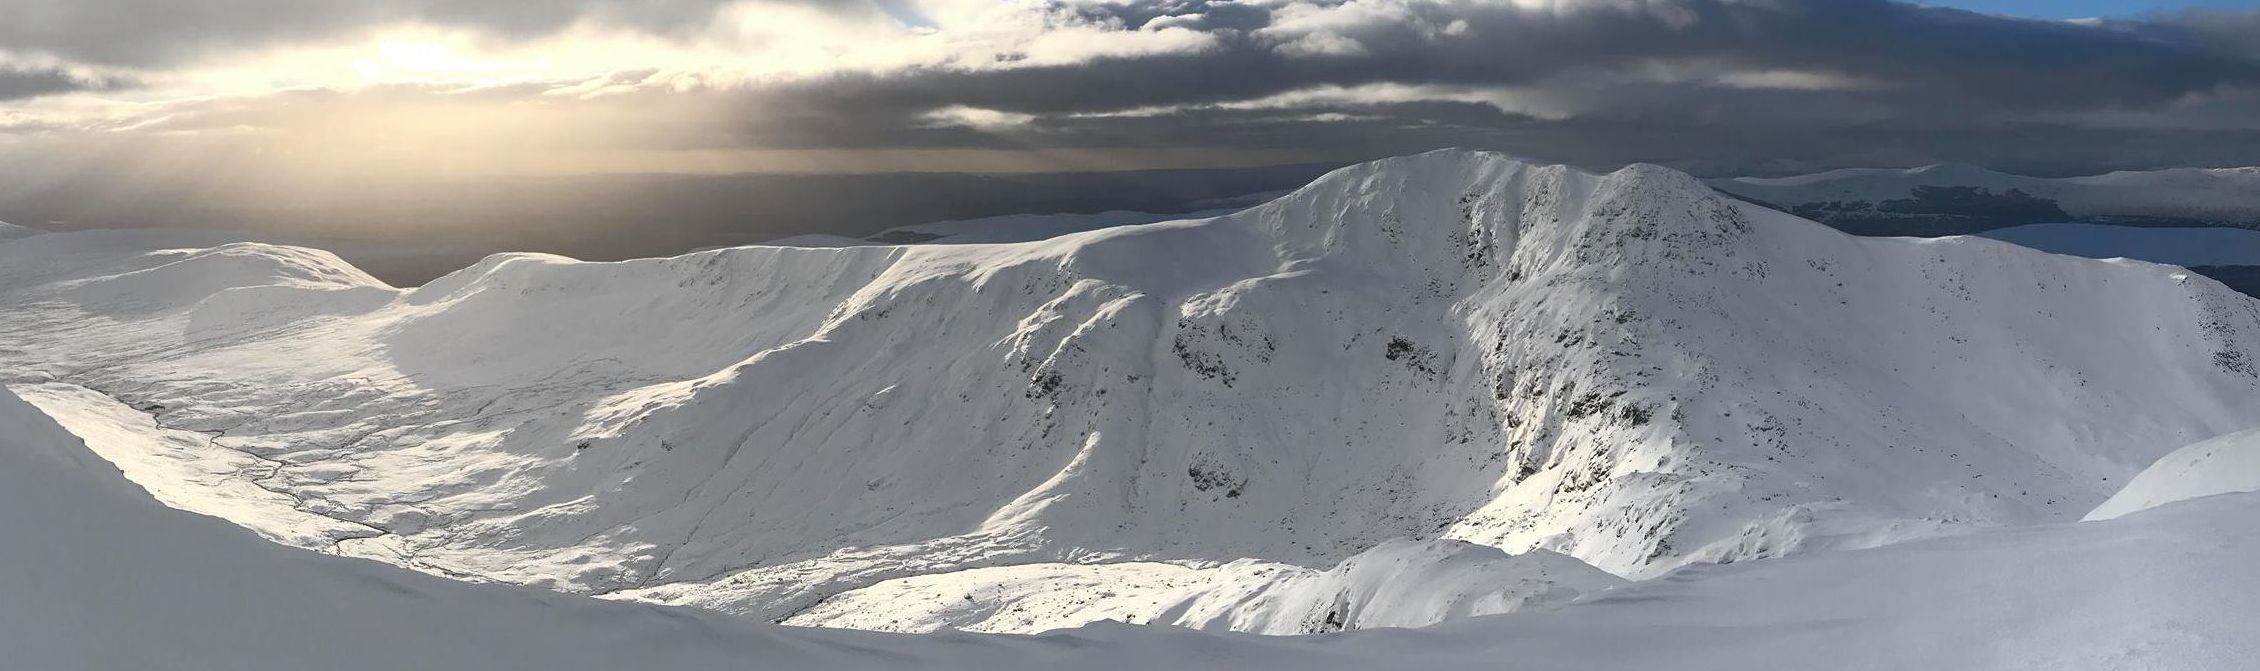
2220 465
1628 369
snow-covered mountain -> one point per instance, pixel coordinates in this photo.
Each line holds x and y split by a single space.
98 576
1954 199
1629 369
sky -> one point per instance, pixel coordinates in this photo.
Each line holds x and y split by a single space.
299 103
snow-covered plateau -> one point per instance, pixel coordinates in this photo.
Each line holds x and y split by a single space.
1416 391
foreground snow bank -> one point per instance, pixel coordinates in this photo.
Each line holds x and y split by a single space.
96 575
2221 465
1399 583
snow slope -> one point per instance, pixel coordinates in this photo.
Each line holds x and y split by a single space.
1628 369
1892 202
993 230
97 576
2221 465
1024 227
8 230
1396 584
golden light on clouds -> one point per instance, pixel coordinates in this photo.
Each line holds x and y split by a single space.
426 58
412 98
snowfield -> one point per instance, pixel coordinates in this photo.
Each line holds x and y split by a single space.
1416 390
98 576
1400 583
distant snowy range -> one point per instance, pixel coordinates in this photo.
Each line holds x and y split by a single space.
2205 219
1452 410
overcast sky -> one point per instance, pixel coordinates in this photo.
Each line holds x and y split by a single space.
297 91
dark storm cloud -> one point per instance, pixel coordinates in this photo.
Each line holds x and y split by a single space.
25 83
1883 73
1914 51
2233 31
1734 136
1192 14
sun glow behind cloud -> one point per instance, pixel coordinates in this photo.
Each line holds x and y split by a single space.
419 98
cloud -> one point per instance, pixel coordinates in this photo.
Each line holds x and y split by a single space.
1587 81
2223 30
160 33
17 83
1914 52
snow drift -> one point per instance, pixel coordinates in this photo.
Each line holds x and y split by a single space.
2221 465
1628 369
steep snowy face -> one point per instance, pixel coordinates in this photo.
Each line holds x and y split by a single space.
1629 369
1950 199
